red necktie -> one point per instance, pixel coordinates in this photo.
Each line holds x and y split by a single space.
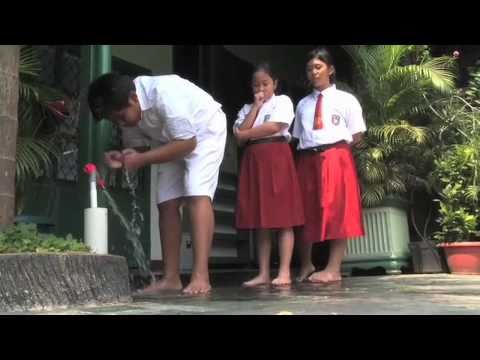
317 123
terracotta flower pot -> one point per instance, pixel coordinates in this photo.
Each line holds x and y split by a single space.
463 257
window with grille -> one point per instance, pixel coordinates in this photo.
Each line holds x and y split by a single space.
61 69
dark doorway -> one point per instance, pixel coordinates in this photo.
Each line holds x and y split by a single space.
226 78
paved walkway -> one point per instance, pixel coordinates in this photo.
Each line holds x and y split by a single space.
372 295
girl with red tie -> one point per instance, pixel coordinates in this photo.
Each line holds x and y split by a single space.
327 123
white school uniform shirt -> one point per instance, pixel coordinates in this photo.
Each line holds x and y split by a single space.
276 109
173 108
341 117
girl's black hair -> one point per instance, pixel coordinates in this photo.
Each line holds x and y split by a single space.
322 54
267 68
273 73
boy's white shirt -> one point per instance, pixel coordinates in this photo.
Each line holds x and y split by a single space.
173 108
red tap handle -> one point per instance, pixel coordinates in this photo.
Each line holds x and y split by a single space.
90 168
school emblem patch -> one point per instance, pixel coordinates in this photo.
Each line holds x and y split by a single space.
335 119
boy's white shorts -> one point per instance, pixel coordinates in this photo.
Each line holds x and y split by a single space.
197 173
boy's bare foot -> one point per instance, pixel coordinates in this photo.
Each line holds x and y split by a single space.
197 287
325 276
282 280
260 280
164 284
305 272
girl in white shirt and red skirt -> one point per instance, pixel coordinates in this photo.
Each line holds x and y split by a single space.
327 123
269 195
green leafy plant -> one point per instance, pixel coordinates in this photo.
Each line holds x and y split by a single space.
37 110
457 164
472 93
395 85
457 173
23 238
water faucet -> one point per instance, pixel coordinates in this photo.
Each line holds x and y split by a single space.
96 219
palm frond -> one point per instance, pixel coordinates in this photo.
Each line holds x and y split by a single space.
394 54
28 91
29 71
401 132
406 101
372 172
29 61
34 156
473 192
436 71
372 195
395 185
377 153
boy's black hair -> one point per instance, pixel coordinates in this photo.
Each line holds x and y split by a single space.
109 92
322 54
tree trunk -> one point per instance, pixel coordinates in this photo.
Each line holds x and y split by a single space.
9 66
47 281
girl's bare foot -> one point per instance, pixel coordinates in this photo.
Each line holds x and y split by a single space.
282 280
197 286
305 272
260 280
164 284
325 277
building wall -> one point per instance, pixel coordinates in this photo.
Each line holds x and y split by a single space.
289 62
159 59
288 58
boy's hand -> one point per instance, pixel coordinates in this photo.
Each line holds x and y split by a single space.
132 160
113 159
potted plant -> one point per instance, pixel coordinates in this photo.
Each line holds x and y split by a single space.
459 235
457 173
395 84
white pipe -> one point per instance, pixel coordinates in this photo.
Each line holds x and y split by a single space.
96 230
95 227
93 191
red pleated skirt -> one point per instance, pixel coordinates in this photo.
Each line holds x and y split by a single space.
331 195
268 192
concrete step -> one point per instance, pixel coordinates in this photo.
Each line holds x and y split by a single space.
224 207
227 194
225 234
228 178
224 214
